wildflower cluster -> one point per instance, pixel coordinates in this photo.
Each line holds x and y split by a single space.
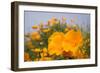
56 40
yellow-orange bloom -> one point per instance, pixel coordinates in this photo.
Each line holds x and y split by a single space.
43 54
59 42
35 36
53 21
46 30
66 29
37 50
55 43
68 26
44 50
34 26
26 57
30 45
73 39
74 26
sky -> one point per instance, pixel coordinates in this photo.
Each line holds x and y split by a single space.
35 18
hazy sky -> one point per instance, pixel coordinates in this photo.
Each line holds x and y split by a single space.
35 17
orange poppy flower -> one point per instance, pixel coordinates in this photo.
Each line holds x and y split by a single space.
26 57
55 43
73 39
35 36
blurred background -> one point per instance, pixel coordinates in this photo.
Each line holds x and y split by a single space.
35 18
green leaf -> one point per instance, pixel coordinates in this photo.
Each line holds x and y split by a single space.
32 55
